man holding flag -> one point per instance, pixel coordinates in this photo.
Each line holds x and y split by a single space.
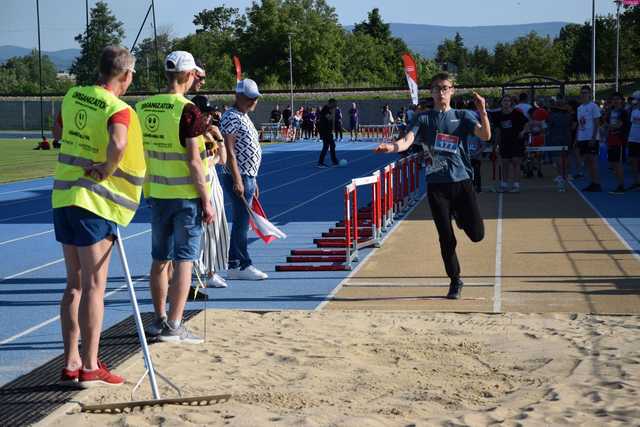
244 156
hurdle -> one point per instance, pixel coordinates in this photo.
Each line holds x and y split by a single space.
393 190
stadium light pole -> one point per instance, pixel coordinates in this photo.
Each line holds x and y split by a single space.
86 15
155 42
593 50
291 71
40 70
618 2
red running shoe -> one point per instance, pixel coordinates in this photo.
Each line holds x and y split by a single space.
99 377
69 378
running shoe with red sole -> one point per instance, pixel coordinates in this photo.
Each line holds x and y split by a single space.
99 378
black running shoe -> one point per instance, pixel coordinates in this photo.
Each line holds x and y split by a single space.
455 289
634 187
322 166
618 190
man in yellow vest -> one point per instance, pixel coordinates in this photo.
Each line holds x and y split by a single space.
177 186
98 181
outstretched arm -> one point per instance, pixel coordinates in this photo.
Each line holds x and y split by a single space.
483 131
401 144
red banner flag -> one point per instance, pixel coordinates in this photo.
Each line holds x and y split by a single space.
411 72
261 224
236 62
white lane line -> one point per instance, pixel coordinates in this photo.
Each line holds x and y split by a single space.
363 261
24 216
44 187
26 237
26 200
497 288
606 221
53 319
59 260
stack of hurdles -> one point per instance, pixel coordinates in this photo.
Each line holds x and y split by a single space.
394 190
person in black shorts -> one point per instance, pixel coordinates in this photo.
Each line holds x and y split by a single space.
510 123
449 176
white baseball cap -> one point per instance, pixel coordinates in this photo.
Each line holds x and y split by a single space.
248 88
180 60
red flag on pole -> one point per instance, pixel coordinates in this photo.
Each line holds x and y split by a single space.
236 62
411 72
261 225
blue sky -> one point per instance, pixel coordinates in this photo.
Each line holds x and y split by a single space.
61 24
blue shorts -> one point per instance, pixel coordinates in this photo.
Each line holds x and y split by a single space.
79 227
176 229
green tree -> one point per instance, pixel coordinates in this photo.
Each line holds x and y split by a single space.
21 74
104 29
374 26
149 67
453 53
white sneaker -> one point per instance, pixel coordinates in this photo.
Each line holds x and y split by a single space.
216 281
249 273
515 188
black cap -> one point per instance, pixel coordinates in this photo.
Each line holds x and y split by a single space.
202 102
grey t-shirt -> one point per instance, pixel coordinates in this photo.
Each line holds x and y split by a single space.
445 136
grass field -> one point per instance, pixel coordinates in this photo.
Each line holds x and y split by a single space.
18 160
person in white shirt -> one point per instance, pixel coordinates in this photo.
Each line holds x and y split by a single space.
634 140
587 136
524 106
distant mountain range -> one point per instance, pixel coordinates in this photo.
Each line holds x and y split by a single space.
61 58
423 39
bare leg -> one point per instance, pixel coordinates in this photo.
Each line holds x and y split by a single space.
516 161
69 309
592 163
94 261
506 164
179 289
159 282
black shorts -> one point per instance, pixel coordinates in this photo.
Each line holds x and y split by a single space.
634 150
589 147
512 149
616 154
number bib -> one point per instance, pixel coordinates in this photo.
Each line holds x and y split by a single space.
446 143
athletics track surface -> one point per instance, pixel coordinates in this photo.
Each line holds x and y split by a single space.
303 200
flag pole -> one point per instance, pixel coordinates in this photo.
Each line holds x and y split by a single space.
618 2
593 49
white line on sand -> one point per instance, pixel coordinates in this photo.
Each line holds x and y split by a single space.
363 261
497 287
606 221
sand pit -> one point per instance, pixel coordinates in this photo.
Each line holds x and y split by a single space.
361 368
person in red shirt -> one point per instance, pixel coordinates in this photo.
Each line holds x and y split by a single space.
537 128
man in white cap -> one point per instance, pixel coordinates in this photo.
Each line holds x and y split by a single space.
178 190
244 155
634 140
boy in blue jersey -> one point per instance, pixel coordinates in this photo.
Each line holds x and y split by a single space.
444 133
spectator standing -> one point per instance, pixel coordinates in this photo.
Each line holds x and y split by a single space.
510 124
617 119
587 136
337 123
97 184
276 115
177 187
354 121
523 105
308 119
634 140
244 156
325 128
387 121
286 116
214 254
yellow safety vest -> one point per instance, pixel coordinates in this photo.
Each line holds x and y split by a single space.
168 175
85 114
